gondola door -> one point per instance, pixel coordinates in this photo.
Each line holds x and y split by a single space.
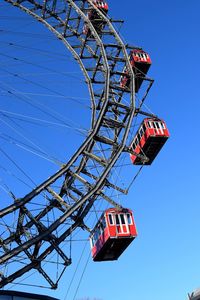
122 226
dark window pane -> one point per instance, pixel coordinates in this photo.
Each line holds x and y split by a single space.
122 219
110 219
117 219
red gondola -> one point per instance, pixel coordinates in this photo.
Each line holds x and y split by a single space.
140 62
149 139
95 18
112 234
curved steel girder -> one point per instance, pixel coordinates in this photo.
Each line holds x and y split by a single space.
69 47
63 170
87 199
98 124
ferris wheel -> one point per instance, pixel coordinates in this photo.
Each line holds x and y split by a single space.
53 211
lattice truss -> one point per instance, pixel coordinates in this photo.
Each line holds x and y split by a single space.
69 194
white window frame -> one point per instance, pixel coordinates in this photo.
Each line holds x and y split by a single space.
110 216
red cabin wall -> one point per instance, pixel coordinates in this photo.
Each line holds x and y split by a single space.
139 59
113 230
101 241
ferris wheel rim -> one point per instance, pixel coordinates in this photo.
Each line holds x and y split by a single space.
95 125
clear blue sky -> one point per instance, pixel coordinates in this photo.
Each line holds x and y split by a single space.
164 261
